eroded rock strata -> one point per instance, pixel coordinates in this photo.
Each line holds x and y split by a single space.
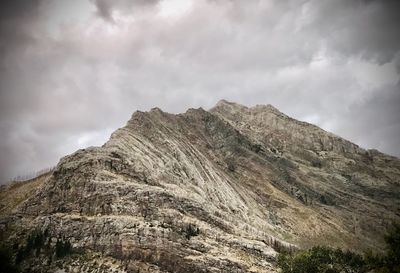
206 191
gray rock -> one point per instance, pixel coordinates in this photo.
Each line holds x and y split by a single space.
209 191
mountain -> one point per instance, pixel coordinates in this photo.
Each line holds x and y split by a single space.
222 190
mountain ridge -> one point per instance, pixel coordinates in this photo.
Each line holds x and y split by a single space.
222 190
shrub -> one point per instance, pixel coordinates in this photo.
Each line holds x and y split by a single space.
391 261
33 244
316 163
321 259
326 200
190 231
6 264
231 166
63 248
392 240
39 242
256 148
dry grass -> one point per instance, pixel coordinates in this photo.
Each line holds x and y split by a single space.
14 194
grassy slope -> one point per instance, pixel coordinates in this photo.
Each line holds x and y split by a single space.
14 194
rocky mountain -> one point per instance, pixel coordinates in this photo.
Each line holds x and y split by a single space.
222 190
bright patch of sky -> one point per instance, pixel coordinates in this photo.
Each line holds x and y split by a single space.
174 8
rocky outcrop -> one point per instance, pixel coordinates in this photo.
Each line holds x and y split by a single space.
210 191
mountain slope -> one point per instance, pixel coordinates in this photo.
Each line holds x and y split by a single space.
210 191
356 186
12 195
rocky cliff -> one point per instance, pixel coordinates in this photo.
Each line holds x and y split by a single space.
206 191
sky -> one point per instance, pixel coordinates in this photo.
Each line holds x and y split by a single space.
72 72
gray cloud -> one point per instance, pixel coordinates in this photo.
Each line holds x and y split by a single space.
105 8
369 125
68 83
367 29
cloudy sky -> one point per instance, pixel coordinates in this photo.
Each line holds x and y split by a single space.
71 72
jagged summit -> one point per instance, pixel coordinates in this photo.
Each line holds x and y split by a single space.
225 102
259 107
268 107
222 190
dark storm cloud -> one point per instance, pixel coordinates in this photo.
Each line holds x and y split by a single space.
381 110
368 29
16 18
71 74
105 8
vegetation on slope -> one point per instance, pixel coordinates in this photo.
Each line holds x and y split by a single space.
38 243
14 194
322 259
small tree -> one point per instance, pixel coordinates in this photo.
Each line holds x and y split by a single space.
321 259
63 248
191 230
392 240
6 264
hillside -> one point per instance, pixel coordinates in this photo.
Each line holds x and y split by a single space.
14 194
208 191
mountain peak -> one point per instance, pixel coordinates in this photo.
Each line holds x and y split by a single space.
224 104
266 108
156 109
178 192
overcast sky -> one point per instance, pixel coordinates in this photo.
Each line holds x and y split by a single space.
71 72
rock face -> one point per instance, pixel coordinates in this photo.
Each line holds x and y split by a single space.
208 191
